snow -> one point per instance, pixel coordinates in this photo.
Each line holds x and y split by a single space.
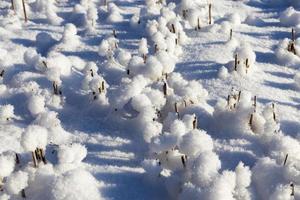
16 182
7 164
195 142
6 112
66 187
34 137
36 104
72 154
184 99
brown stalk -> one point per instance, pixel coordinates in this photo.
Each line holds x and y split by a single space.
24 10
285 159
209 13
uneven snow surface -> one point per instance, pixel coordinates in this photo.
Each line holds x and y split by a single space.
150 99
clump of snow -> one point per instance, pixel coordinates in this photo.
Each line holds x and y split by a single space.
69 40
243 181
108 46
16 182
223 72
290 17
56 133
7 164
36 104
244 60
123 57
114 13
34 137
71 154
195 142
6 112
76 184
143 48
91 17
287 53
205 168
48 8
32 58
297 80
59 64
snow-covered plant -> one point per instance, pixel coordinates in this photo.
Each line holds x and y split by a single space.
21 8
36 104
16 182
290 17
71 154
34 140
287 52
90 71
7 164
5 62
6 112
99 86
66 187
32 58
123 57
78 16
70 40
244 61
108 46
143 48
114 13
153 6
49 9
297 80
91 17
56 133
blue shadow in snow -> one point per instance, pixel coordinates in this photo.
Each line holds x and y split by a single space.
283 86
198 70
23 42
281 74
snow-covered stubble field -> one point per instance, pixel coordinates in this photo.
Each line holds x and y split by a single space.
154 99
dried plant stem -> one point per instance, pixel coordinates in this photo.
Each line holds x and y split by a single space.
2 73
34 159
209 13
183 161
173 29
92 73
12 5
198 24
165 89
24 10
17 159
293 189
43 157
239 96
23 194
195 122
228 100
235 62
293 35
45 64
285 159
251 120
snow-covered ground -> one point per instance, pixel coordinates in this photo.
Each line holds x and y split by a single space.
154 99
